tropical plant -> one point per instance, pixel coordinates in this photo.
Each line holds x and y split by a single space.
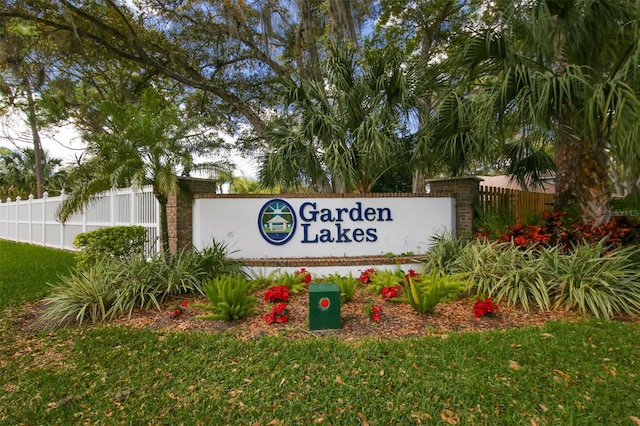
346 131
385 278
182 272
143 144
260 280
85 293
445 248
424 292
347 285
138 283
229 298
294 280
559 73
18 178
594 280
214 260
504 271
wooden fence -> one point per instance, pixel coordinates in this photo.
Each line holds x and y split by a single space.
515 204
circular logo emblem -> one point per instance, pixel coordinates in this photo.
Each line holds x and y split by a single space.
325 303
277 221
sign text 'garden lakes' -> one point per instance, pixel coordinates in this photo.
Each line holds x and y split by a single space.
341 224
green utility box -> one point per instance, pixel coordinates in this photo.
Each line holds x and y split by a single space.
324 306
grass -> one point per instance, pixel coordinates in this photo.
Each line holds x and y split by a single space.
583 373
26 270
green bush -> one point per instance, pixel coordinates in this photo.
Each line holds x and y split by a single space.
424 292
261 281
385 278
295 282
347 285
215 262
116 242
444 250
597 280
85 293
138 283
229 298
183 272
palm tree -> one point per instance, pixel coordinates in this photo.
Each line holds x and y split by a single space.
558 72
144 144
18 176
344 133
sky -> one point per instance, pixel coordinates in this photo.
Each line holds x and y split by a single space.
66 144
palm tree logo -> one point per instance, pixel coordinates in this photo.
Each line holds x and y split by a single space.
277 221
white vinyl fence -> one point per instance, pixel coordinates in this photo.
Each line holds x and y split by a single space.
34 220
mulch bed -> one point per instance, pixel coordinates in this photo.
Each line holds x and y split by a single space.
398 320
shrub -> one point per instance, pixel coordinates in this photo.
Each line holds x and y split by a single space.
138 283
295 281
86 293
277 293
556 230
261 282
181 272
593 279
424 292
444 250
279 314
116 242
229 298
504 271
347 285
215 262
384 278
596 281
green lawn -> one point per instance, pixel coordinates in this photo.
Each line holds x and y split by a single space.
25 271
565 373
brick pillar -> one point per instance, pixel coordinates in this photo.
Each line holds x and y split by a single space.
180 210
466 191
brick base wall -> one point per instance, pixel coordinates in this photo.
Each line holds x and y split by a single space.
180 210
466 191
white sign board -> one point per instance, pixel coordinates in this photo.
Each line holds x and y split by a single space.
257 228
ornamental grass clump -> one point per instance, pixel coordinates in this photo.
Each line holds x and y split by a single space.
87 293
593 279
229 298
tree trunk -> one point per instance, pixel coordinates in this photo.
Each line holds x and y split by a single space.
581 179
37 145
164 223
418 183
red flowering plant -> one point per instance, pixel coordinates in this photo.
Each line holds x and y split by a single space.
484 307
179 310
277 293
374 312
391 292
306 275
366 275
278 314
556 230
